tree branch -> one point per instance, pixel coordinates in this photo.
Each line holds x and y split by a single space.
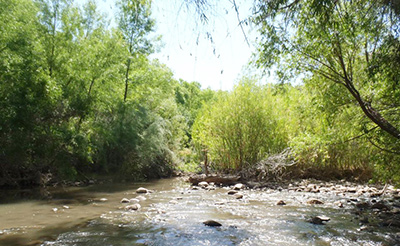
240 22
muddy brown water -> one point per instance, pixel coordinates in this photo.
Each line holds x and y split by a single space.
173 215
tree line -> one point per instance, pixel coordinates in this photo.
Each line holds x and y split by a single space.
79 97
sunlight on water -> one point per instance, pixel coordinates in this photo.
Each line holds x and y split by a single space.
173 215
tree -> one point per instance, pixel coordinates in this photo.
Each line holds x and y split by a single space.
353 44
135 24
239 128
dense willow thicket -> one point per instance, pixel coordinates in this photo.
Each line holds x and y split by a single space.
78 97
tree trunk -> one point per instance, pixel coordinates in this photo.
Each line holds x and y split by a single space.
128 67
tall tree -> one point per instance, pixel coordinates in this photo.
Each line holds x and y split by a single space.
135 24
353 44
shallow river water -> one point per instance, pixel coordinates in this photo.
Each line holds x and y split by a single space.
173 215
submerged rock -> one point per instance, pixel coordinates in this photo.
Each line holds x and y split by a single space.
212 223
380 206
134 200
314 201
319 220
133 207
141 198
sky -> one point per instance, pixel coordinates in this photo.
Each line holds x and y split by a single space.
212 53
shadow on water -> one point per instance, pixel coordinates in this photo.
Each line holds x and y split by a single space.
65 195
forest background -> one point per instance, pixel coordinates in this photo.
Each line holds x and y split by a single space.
80 98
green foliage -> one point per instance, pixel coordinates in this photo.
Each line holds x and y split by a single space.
239 128
62 76
351 44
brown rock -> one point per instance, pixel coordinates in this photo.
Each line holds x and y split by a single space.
281 202
232 192
142 190
314 201
238 195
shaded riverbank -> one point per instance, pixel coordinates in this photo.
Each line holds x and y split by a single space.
174 214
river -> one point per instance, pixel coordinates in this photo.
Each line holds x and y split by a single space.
173 214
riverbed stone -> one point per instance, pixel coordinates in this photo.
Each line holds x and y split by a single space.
142 190
363 205
232 192
203 184
319 220
238 195
212 223
239 186
141 198
124 200
281 203
103 199
134 200
314 201
135 206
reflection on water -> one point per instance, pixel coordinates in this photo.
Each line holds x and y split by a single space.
173 215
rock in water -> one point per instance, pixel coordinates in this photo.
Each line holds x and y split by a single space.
238 186
203 184
281 203
212 223
125 200
232 192
133 207
238 195
319 220
142 190
315 201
